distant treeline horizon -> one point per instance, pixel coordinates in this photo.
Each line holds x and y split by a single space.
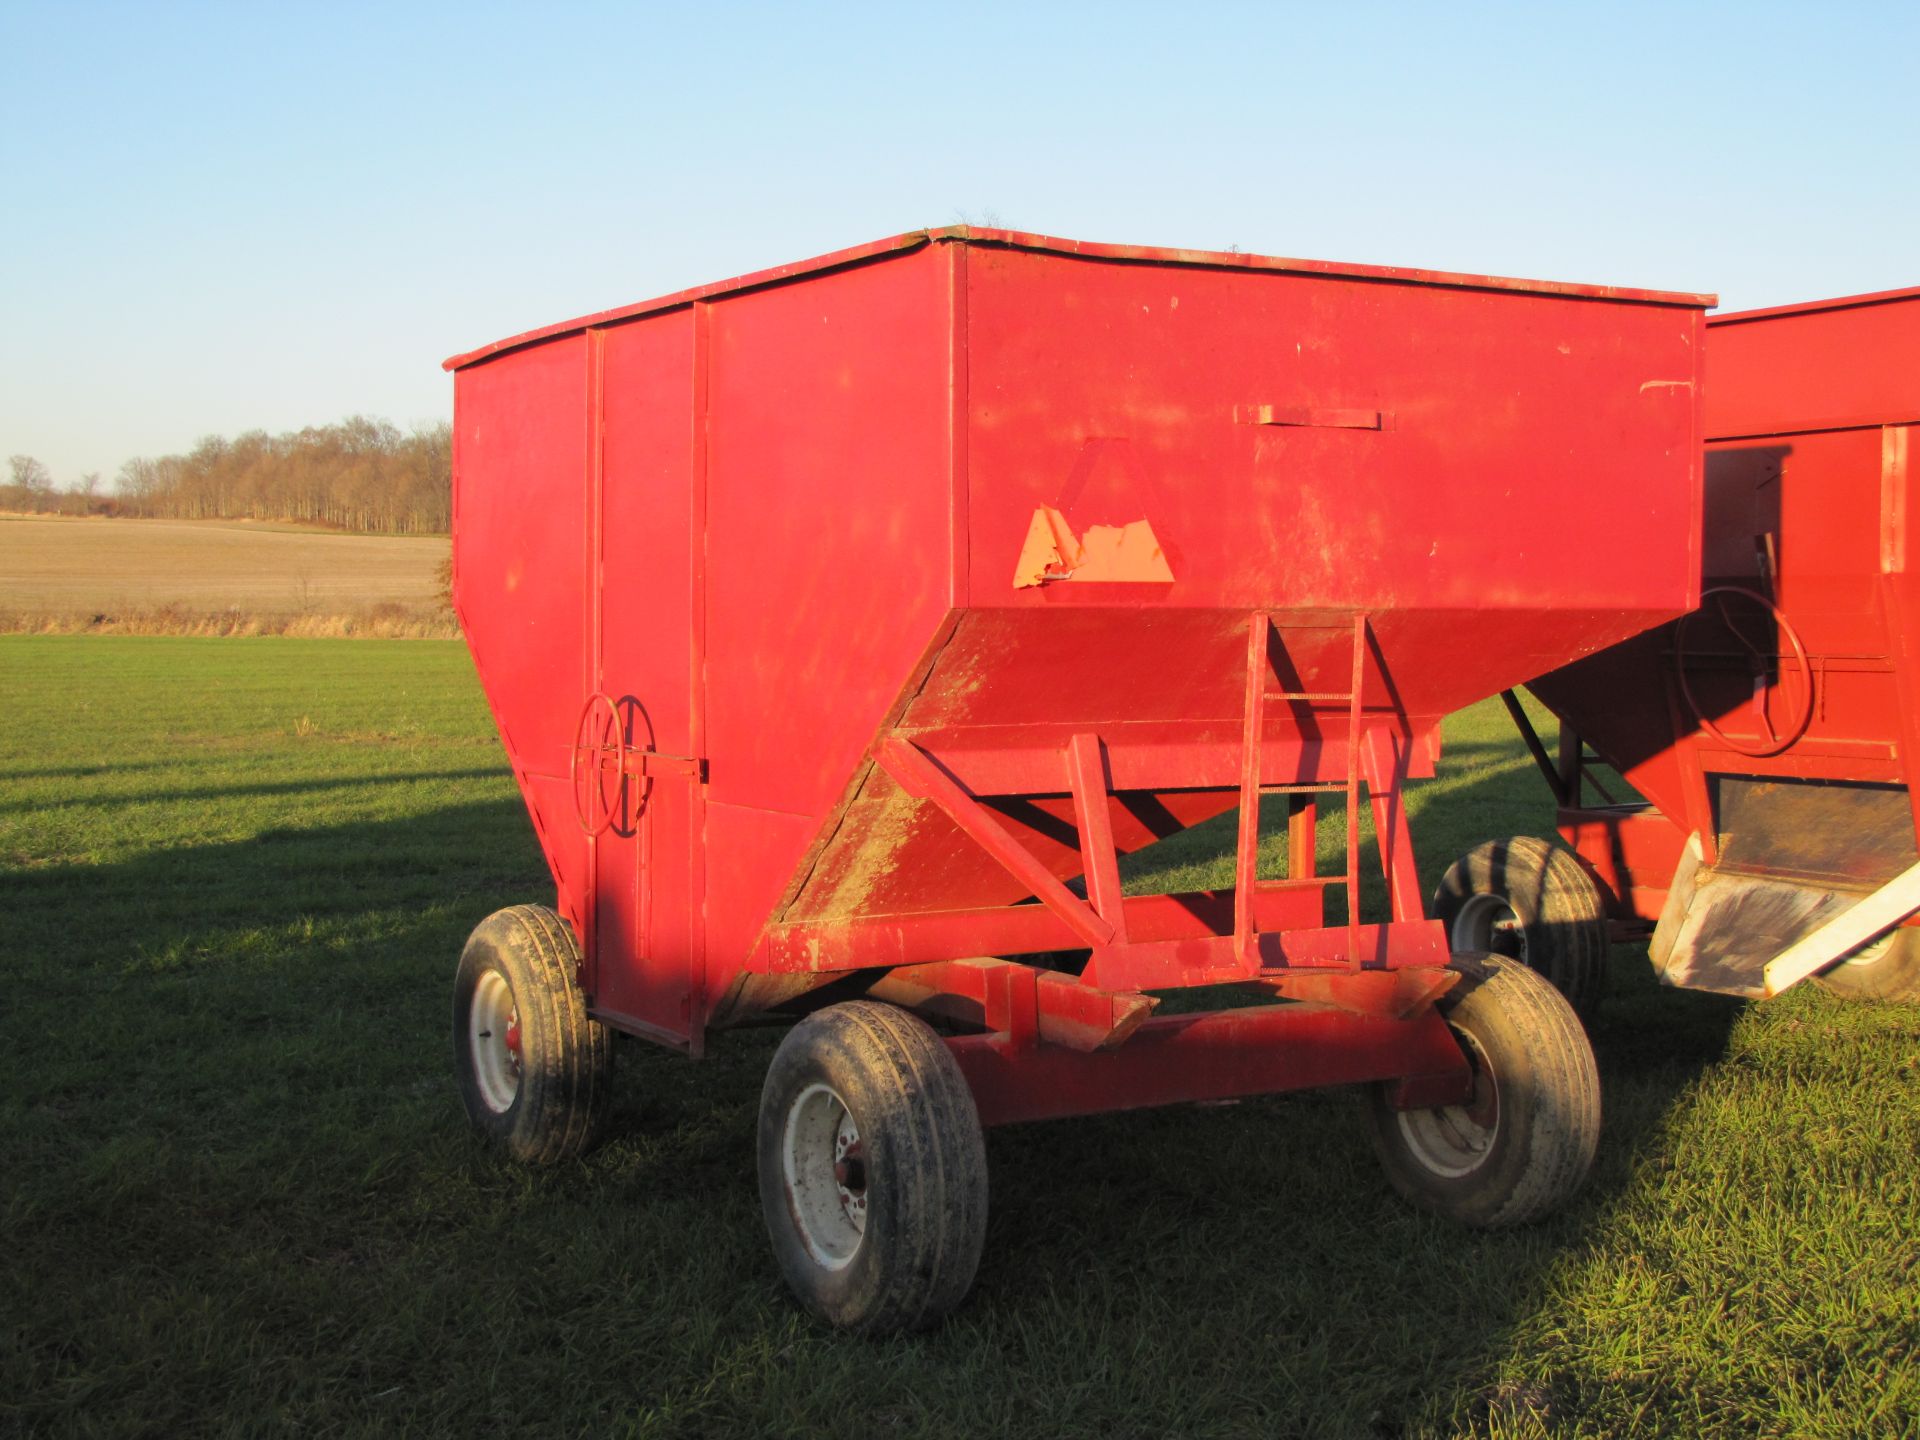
360 474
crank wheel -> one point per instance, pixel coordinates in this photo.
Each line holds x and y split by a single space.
599 751
1774 741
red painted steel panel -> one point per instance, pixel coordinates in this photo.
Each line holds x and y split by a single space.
1220 1055
752 855
1158 255
645 894
1854 361
1110 392
519 494
827 517
827 514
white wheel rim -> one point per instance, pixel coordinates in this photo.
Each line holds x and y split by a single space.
824 1166
1870 954
1454 1140
1486 924
493 1034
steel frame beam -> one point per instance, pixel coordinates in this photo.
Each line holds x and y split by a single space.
1022 1002
1220 1055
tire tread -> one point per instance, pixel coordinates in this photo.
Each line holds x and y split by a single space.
566 1092
1550 1090
913 1088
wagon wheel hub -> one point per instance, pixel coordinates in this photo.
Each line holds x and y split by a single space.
1455 1140
850 1170
824 1167
494 1041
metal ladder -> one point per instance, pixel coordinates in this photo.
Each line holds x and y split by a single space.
1246 882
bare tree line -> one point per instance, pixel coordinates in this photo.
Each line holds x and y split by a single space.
29 486
359 474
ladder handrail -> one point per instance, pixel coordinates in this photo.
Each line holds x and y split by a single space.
1354 708
1247 852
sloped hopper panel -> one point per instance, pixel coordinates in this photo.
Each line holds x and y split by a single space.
1010 688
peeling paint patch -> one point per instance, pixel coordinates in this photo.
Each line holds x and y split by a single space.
1129 552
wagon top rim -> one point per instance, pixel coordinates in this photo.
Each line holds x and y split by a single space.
1024 240
1810 307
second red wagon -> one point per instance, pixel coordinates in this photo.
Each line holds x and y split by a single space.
1759 820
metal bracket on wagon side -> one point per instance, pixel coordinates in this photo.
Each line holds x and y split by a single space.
1023 1003
601 751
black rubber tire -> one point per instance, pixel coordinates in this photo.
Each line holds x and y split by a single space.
1537 1094
1888 969
1560 910
564 1090
924 1189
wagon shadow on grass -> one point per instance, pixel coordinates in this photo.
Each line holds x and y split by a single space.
252 789
261 1098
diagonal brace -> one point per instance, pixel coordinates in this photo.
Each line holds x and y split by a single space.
1087 778
916 773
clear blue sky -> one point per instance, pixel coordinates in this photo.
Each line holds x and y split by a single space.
215 218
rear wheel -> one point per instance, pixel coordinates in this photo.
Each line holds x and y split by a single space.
1523 1144
873 1169
534 1068
1532 902
1888 969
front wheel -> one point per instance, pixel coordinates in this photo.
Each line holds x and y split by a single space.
534 1068
873 1169
1523 1144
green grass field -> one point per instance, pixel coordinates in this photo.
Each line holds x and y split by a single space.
238 1195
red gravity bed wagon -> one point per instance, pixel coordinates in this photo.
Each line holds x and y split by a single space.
846 623
1770 740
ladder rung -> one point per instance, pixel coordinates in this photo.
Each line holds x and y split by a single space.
1337 787
1305 882
1344 695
